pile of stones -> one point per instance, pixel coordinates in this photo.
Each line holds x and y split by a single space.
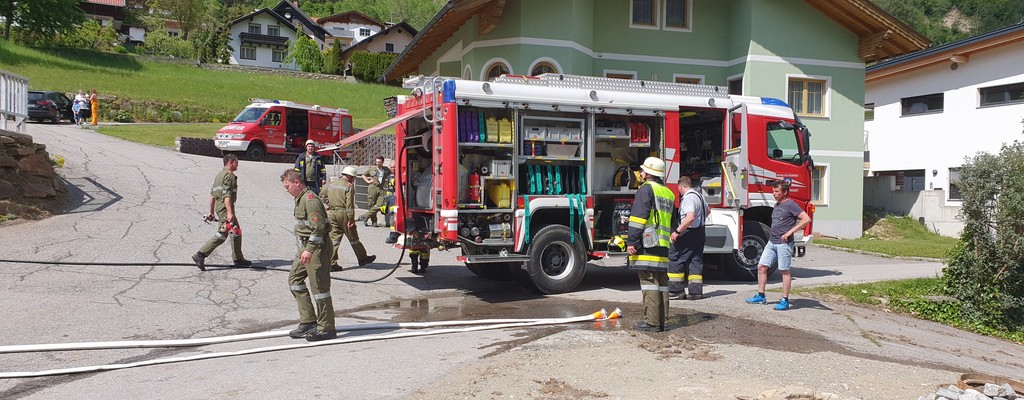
989 392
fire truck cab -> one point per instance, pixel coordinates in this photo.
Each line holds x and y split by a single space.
282 127
532 177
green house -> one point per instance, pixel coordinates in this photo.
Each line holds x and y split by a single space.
810 52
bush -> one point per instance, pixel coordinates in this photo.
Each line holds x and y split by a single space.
91 35
369 67
985 270
122 116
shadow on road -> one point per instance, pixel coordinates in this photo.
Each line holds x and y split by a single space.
87 195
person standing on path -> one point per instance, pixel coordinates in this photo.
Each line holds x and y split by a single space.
340 197
686 256
312 260
94 104
787 219
86 103
375 179
312 168
223 197
647 242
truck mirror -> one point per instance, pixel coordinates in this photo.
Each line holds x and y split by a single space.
785 125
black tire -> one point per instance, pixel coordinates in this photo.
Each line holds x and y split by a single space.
742 264
493 271
255 152
556 264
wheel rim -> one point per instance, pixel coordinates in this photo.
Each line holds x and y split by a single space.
557 260
750 252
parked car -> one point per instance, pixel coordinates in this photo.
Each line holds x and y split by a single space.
49 105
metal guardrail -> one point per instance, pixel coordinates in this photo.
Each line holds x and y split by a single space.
13 102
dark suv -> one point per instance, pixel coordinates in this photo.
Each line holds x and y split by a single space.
48 105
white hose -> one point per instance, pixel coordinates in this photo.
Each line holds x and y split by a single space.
600 315
143 344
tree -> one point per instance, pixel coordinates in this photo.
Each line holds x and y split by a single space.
986 269
189 14
333 61
41 17
306 55
92 35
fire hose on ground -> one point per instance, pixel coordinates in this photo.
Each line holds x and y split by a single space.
464 326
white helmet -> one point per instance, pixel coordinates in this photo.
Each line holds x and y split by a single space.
654 166
350 171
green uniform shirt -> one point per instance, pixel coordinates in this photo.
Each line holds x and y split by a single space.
225 185
310 220
377 175
340 195
310 170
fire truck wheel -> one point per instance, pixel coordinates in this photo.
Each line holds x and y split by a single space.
742 264
255 152
556 264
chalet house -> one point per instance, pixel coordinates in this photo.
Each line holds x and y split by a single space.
350 27
261 39
106 12
927 111
812 53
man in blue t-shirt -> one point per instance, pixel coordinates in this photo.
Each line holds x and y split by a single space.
787 218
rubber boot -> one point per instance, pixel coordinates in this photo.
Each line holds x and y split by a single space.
414 259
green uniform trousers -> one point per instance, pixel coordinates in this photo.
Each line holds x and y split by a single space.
654 287
222 236
339 228
318 269
374 201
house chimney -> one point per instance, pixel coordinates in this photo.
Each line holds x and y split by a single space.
296 4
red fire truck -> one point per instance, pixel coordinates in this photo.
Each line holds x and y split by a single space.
282 127
534 176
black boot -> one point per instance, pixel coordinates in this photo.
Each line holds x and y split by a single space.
200 259
392 238
319 335
424 263
301 331
414 260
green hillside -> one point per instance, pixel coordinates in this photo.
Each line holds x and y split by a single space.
154 90
944 21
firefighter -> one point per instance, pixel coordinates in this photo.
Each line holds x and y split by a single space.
312 168
311 260
223 197
375 179
647 243
340 197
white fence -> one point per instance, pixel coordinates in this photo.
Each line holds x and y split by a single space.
13 102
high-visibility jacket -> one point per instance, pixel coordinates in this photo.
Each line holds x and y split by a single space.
653 207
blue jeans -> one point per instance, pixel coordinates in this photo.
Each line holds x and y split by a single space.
783 252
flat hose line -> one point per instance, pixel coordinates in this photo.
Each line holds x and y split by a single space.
597 316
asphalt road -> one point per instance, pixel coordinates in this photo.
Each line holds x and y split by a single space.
138 203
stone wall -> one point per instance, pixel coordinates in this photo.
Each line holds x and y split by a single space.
29 187
275 71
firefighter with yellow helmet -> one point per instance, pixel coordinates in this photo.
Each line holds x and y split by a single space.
647 243
340 198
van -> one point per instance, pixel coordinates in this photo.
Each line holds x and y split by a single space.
282 127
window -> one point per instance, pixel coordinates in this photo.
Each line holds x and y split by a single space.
278 55
389 47
248 53
255 29
543 67
643 13
364 32
927 104
869 112
736 86
999 95
620 74
954 184
783 145
274 118
273 30
689 79
807 96
173 33
819 185
677 14
497 69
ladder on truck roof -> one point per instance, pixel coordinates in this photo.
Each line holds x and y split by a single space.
616 84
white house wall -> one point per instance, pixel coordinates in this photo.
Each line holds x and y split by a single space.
937 142
264 54
400 40
349 30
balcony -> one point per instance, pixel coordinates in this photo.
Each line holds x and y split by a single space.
255 38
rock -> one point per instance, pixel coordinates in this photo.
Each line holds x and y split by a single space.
18 137
992 389
7 140
951 392
36 164
20 151
971 394
6 190
7 162
38 188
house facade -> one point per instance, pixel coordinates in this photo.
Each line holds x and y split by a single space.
261 39
810 52
929 110
349 27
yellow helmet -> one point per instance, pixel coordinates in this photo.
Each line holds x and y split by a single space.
654 166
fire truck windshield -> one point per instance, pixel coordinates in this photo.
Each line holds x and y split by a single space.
783 144
250 114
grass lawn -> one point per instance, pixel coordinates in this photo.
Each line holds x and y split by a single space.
897 236
159 134
184 84
922 298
